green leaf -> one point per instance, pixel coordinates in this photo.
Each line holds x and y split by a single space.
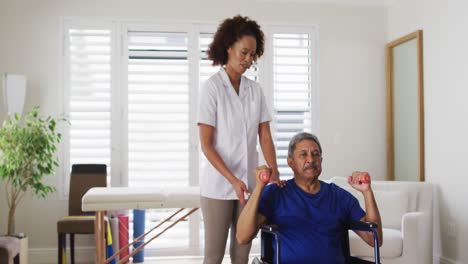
28 151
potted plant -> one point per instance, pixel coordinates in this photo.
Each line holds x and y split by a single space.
27 154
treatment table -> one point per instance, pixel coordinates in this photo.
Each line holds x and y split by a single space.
101 199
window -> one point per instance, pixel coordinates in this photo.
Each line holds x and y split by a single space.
293 86
158 131
132 95
88 75
158 109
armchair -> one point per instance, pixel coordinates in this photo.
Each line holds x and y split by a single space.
406 212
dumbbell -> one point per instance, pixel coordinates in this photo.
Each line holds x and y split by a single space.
264 173
365 178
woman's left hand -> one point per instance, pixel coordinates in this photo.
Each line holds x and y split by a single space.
275 178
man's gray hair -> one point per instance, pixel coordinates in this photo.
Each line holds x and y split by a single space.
299 137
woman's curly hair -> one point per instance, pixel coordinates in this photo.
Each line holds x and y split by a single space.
230 31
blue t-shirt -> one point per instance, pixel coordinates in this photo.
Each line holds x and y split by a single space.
310 225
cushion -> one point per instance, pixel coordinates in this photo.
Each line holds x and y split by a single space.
392 245
121 198
79 224
392 204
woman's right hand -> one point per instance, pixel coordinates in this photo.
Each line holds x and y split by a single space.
241 190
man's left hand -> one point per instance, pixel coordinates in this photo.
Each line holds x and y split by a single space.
358 182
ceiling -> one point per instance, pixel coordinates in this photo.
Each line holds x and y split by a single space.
337 2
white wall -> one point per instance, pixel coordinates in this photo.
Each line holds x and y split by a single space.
3 110
446 110
351 72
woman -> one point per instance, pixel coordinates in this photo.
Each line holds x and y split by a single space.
232 113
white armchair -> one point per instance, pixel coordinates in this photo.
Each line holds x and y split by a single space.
406 212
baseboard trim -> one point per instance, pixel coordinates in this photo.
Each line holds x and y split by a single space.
445 260
86 254
50 255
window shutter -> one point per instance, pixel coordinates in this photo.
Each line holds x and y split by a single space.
292 76
158 121
158 109
89 62
206 68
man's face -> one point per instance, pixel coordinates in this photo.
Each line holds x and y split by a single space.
306 161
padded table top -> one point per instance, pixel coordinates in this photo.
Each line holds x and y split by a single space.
123 198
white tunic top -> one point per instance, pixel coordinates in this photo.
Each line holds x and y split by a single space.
236 119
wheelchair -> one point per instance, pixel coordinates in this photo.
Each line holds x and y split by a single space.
270 240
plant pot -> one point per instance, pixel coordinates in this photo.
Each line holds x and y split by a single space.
24 250
11 247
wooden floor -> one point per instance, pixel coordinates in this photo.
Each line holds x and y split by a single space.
180 260
176 260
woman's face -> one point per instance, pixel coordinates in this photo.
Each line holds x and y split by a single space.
241 54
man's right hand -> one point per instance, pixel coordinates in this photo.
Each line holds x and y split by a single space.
249 219
274 177
262 176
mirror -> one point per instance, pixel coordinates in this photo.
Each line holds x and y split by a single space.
405 123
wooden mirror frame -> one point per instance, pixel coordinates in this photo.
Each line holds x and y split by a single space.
417 35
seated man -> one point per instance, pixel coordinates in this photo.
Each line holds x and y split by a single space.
310 213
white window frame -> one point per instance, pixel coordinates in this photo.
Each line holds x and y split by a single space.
79 23
267 79
119 102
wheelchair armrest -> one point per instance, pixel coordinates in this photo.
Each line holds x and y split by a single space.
363 226
270 228
270 235
368 227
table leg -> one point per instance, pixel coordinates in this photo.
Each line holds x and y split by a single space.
99 237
